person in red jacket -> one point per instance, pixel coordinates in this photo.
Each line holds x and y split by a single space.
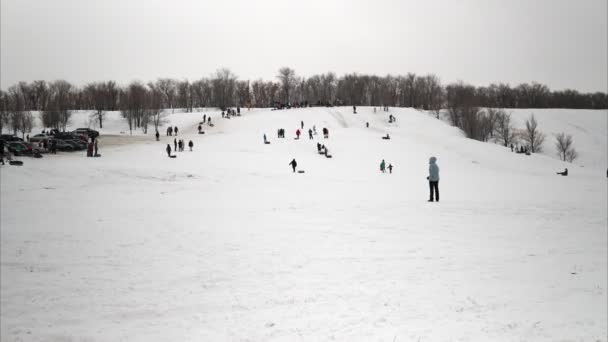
298 134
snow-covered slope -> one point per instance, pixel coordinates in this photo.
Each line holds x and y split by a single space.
226 243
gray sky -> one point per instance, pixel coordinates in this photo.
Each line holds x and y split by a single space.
562 43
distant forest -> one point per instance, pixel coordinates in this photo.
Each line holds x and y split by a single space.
144 101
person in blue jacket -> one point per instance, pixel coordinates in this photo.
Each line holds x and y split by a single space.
433 179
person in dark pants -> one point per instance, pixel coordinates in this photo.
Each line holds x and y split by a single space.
565 173
191 145
433 179
310 134
168 150
175 130
157 136
390 168
174 144
96 148
293 164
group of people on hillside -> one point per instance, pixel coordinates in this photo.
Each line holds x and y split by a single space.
322 149
522 149
171 131
231 112
178 146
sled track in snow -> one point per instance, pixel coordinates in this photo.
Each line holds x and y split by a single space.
338 116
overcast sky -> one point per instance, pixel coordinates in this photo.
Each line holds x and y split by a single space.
562 43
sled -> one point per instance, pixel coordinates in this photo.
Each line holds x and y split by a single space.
97 155
300 171
328 156
201 132
173 156
15 162
37 155
267 142
386 138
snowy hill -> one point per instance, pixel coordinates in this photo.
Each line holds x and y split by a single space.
226 243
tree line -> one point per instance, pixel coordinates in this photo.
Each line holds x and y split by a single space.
143 104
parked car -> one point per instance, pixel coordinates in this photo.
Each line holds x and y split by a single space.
19 148
66 136
77 144
87 132
62 145
10 137
40 137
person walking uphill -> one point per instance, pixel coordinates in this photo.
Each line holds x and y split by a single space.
293 164
168 149
433 179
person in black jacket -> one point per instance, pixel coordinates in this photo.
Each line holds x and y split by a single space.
293 164
168 150
191 145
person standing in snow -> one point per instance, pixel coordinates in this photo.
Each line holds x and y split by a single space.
191 145
168 149
293 164
265 140
390 168
382 166
157 135
314 129
174 144
354 109
433 179
200 128
175 130
169 131
310 134
96 149
298 134
302 124
367 124
204 118
319 147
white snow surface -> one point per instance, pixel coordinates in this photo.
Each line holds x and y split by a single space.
225 243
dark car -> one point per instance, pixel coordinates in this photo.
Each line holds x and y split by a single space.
86 132
77 144
9 137
62 145
65 136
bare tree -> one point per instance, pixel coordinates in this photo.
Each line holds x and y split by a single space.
287 78
571 155
565 150
27 123
4 111
184 95
154 107
533 136
224 86
504 131
243 93
97 97
168 87
133 103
